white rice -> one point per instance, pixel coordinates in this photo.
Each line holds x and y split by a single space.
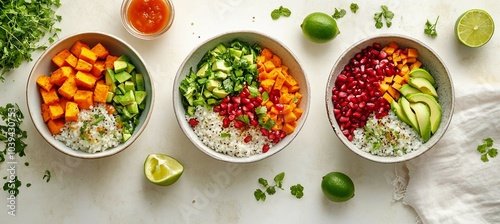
86 136
209 130
388 136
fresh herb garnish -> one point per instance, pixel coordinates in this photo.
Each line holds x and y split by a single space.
486 149
269 189
225 135
22 24
28 185
430 29
297 190
354 7
11 133
47 176
12 186
281 11
98 119
385 14
26 164
338 13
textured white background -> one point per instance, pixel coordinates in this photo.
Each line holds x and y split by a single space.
114 190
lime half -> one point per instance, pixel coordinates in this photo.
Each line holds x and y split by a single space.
474 28
162 169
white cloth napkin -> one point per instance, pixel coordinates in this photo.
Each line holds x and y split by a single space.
450 183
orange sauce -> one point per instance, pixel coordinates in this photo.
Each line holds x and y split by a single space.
148 16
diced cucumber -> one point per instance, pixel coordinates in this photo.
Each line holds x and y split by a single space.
122 76
127 98
126 136
121 88
190 110
139 82
133 108
119 66
109 76
130 68
220 65
212 84
202 71
109 97
220 75
140 96
235 52
129 85
249 58
212 101
124 58
207 93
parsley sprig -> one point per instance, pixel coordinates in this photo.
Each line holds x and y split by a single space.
297 190
281 11
11 133
430 29
354 7
385 14
269 189
22 25
47 176
339 13
486 149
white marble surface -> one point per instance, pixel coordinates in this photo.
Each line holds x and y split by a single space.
114 190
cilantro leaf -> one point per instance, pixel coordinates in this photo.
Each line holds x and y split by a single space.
354 7
486 149
386 15
281 11
11 133
430 29
297 190
263 182
269 189
259 195
47 176
338 13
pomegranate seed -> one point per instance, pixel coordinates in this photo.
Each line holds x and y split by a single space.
279 106
265 148
231 117
247 139
254 123
193 122
264 131
245 100
225 122
238 124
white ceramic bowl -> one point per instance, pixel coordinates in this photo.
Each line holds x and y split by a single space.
430 60
45 66
251 37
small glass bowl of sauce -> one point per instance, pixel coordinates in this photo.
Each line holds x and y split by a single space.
147 19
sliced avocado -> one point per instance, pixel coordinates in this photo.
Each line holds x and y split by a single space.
130 67
220 65
139 82
219 93
121 89
405 106
423 115
109 77
207 93
249 58
126 136
399 112
140 96
422 73
406 90
127 98
423 85
212 101
129 85
220 75
202 71
120 66
122 76
212 84
220 49
434 107
133 108
235 52
109 97
123 58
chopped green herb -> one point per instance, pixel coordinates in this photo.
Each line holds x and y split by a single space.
98 119
430 29
46 176
11 133
22 24
486 149
269 189
338 13
225 135
26 164
28 185
297 190
385 14
12 186
281 11
244 118
354 7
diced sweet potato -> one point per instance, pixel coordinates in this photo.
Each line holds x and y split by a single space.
72 60
100 51
280 80
60 75
85 80
83 66
49 97
55 126
98 68
110 60
55 111
100 92
45 112
44 82
84 99
63 101
269 65
68 88
60 58
88 56
72 111
288 128
77 48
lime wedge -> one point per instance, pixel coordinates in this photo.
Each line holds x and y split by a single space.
162 169
474 28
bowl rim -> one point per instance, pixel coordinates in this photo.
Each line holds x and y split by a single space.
80 154
180 111
366 155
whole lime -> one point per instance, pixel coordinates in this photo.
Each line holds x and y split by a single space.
319 27
337 187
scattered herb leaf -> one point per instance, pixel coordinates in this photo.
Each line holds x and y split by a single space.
430 29
259 195
269 189
46 176
225 135
26 164
297 190
281 11
486 149
11 133
385 14
23 24
354 7
28 185
12 186
338 13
